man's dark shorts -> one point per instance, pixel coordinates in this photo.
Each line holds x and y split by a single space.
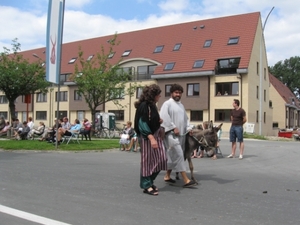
236 132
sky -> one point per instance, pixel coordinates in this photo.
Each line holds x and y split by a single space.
26 20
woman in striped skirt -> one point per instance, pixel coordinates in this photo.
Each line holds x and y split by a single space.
150 134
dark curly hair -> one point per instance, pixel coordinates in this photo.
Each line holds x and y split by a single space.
176 87
148 95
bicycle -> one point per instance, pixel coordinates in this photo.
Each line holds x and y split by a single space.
101 132
115 131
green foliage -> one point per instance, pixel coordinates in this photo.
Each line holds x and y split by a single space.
18 76
45 146
254 136
99 81
288 72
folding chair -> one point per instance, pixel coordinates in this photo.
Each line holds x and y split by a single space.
74 137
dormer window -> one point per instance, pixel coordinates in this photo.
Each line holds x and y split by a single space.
158 49
126 53
111 55
198 64
233 41
207 43
72 60
177 47
89 58
169 66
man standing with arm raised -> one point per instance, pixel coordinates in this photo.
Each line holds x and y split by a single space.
175 122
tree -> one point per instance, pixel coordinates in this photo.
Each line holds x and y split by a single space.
98 81
288 72
18 76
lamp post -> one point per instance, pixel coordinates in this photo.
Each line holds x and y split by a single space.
261 87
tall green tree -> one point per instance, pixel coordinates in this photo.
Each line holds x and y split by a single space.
288 72
99 81
18 76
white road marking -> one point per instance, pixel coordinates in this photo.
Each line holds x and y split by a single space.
29 216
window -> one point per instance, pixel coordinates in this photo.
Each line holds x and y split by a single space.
145 72
257 68
126 53
4 114
257 92
118 113
196 115
158 49
177 47
41 97
117 93
193 90
63 78
63 96
124 70
169 66
89 58
62 114
265 117
198 64
270 104
256 116
230 88
233 41
167 90
139 91
222 115
72 60
112 55
77 96
80 115
41 115
275 125
207 43
227 66
265 95
3 99
265 74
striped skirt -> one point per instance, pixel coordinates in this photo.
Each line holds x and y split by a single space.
152 160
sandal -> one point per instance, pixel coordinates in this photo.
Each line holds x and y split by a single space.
154 188
170 181
152 192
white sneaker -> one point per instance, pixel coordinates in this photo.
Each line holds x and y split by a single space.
241 157
230 156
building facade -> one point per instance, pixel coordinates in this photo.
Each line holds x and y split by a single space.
215 60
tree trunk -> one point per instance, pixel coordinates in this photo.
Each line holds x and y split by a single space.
12 109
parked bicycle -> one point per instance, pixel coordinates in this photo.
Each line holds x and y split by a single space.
101 131
115 131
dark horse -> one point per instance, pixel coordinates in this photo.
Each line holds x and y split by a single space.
205 138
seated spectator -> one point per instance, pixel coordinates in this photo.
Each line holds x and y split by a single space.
30 123
39 130
49 133
86 128
133 141
5 129
128 133
68 132
22 132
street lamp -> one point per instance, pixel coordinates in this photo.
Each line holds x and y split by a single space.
261 76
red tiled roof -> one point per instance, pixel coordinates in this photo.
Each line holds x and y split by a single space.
286 94
143 42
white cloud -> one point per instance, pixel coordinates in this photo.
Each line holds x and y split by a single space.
174 5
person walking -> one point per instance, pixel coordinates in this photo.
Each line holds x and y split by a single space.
147 124
238 118
175 122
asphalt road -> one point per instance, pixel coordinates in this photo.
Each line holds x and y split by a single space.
103 188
